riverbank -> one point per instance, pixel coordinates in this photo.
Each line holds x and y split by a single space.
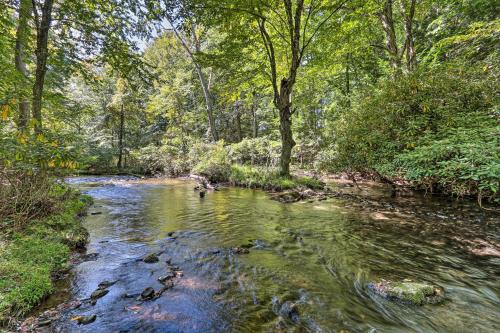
34 255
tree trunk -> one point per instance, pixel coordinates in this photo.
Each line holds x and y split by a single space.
120 139
411 54
203 82
255 127
22 35
386 18
238 123
41 52
348 80
287 142
208 102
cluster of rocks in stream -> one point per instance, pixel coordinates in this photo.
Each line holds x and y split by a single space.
167 280
300 194
204 185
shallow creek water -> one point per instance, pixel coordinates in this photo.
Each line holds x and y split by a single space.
318 255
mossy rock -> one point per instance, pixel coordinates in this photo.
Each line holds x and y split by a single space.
76 237
409 292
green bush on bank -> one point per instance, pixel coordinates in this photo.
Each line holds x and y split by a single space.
255 151
438 129
269 179
32 253
211 161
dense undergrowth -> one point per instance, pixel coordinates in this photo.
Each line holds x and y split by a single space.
436 129
33 251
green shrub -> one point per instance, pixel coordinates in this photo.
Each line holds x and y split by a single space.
211 161
436 128
465 162
255 151
269 179
166 159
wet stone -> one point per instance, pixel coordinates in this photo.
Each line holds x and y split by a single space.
84 320
90 257
44 322
151 258
409 292
148 293
239 250
166 277
99 293
106 284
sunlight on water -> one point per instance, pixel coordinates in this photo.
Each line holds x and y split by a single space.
317 256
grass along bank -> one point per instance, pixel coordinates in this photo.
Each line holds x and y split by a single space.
32 255
270 180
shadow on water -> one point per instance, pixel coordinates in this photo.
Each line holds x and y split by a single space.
306 270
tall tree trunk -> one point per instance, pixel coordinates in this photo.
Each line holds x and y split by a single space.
238 123
203 82
287 142
22 35
42 38
348 80
411 54
208 101
386 18
120 139
283 93
255 126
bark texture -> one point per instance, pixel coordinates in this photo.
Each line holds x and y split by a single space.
22 35
42 39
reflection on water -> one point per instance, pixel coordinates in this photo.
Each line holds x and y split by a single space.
317 256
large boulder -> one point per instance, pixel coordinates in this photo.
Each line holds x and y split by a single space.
407 291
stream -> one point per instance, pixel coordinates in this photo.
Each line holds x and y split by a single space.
307 269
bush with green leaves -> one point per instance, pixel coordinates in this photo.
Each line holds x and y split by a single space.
437 128
269 179
170 158
211 161
255 151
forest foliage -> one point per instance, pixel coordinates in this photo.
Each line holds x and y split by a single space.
402 90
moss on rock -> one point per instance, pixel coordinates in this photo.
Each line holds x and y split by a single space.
410 292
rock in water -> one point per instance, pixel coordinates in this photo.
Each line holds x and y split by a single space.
151 258
148 293
168 276
408 292
99 293
105 284
84 320
202 194
239 250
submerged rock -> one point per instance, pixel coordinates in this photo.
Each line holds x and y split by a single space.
166 277
239 250
105 284
151 258
416 293
288 197
287 310
99 293
84 320
147 293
